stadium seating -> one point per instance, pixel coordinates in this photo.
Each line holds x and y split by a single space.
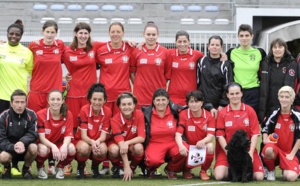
194 8
121 20
65 20
211 8
126 8
91 7
40 7
109 8
100 21
187 21
204 21
57 7
74 7
135 21
221 21
82 19
44 19
177 8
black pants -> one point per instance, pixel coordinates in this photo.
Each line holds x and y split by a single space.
251 97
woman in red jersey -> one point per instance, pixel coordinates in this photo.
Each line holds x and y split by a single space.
161 121
47 71
55 134
114 61
150 67
128 130
184 68
236 116
198 126
284 121
94 117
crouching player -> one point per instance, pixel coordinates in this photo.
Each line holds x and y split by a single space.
55 129
128 130
93 118
198 126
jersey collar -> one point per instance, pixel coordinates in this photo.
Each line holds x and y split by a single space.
145 49
190 52
91 113
243 107
109 48
49 115
190 114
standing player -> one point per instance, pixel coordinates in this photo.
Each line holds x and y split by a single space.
55 134
213 74
114 61
184 68
198 126
94 117
283 121
236 116
47 71
15 64
128 130
150 67
246 63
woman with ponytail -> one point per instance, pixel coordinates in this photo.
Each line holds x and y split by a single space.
55 129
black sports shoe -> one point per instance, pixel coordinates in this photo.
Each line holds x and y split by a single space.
6 173
116 173
80 173
27 174
96 173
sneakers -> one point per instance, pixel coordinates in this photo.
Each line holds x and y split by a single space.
51 170
271 175
104 171
96 173
203 175
187 174
15 171
265 173
60 174
27 174
116 172
6 172
171 175
68 170
42 174
80 173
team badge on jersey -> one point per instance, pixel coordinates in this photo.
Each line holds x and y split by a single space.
158 61
204 127
278 126
63 129
246 122
192 65
125 59
143 61
191 128
175 64
170 124
133 129
292 72
90 126
47 131
108 61
39 52
22 61
292 127
91 54
228 124
56 51
252 57
73 58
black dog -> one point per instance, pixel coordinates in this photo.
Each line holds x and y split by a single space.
240 162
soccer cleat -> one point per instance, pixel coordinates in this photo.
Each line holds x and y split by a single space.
96 173
60 174
171 175
68 170
271 175
157 172
187 174
116 173
6 172
203 175
27 174
51 170
42 174
265 173
80 173
15 171
121 171
104 171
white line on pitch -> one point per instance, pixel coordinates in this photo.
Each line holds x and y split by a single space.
208 183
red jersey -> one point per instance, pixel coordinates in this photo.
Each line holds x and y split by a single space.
55 130
47 71
229 121
82 66
124 130
114 69
152 68
196 128
184 74
285 127
93 124
162 129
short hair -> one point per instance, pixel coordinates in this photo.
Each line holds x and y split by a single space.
280 42
289 90
196 94
215 37
50 23
182 33
116 23
96 87
126 95
17 92
17 24
245 27
160 92
151 24
233 84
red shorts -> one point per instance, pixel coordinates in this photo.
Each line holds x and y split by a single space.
113 107
37 101
281 160
221 159
74 105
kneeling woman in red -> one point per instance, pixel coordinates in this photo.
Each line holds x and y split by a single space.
198 126
283 121
128 130
93 117
55 129
236 116
161 121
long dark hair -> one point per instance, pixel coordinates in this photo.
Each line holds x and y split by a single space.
64 107
80 26
96 87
